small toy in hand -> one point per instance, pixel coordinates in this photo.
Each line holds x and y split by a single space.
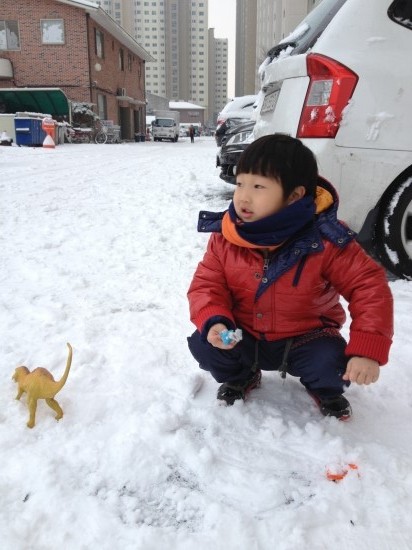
229 336
40 384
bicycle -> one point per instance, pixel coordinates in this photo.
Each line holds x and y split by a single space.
107 132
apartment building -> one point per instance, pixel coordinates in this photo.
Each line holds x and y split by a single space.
74 45
176 34
260 25
245 57
218 69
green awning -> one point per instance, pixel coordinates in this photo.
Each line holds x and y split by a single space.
51 101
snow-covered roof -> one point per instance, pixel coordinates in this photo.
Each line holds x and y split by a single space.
104 20
80 3
184 105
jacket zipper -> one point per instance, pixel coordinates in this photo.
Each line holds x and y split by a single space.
265 263
264 276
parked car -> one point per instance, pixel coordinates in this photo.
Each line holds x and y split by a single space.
342 84
235 112
237 139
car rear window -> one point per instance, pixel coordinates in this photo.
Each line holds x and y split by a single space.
308 31
400 11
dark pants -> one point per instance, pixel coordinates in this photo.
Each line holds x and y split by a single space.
318 358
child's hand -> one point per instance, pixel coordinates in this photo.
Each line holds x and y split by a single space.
214 338
362 370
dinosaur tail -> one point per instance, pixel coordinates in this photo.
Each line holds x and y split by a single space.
63 379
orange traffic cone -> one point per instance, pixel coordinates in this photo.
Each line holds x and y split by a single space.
48 142
48 125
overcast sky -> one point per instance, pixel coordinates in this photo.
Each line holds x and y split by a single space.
222 17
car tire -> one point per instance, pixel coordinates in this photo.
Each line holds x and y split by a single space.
394 230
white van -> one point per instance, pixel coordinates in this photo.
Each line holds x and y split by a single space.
342 83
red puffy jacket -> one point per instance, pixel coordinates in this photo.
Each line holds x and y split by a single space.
226 282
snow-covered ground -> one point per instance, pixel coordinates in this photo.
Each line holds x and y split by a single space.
98 246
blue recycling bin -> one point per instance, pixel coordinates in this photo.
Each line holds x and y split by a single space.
29 131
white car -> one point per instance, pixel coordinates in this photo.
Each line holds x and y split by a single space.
238 110
238 107
342 83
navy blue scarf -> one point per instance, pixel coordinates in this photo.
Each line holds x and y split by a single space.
277 228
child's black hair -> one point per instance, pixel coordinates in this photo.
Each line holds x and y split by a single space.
284 158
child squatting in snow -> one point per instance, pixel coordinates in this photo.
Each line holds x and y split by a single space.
276 264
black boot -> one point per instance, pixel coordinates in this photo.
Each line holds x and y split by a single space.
231 392
338 406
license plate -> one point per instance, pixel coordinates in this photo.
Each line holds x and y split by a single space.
269 103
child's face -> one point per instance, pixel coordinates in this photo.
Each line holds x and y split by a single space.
257 197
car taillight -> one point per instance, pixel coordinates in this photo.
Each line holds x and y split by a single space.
330 89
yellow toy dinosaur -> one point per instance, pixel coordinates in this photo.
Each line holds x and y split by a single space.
40 384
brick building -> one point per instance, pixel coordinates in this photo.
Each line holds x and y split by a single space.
189 112
76 46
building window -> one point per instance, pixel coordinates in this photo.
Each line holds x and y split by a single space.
9 35
102 106
52 31
99 43
121 60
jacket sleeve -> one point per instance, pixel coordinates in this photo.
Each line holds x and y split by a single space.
363 284
208 294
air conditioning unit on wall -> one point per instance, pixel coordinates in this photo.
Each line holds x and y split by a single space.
6 69
121 91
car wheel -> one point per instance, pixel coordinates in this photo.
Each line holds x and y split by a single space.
394 231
